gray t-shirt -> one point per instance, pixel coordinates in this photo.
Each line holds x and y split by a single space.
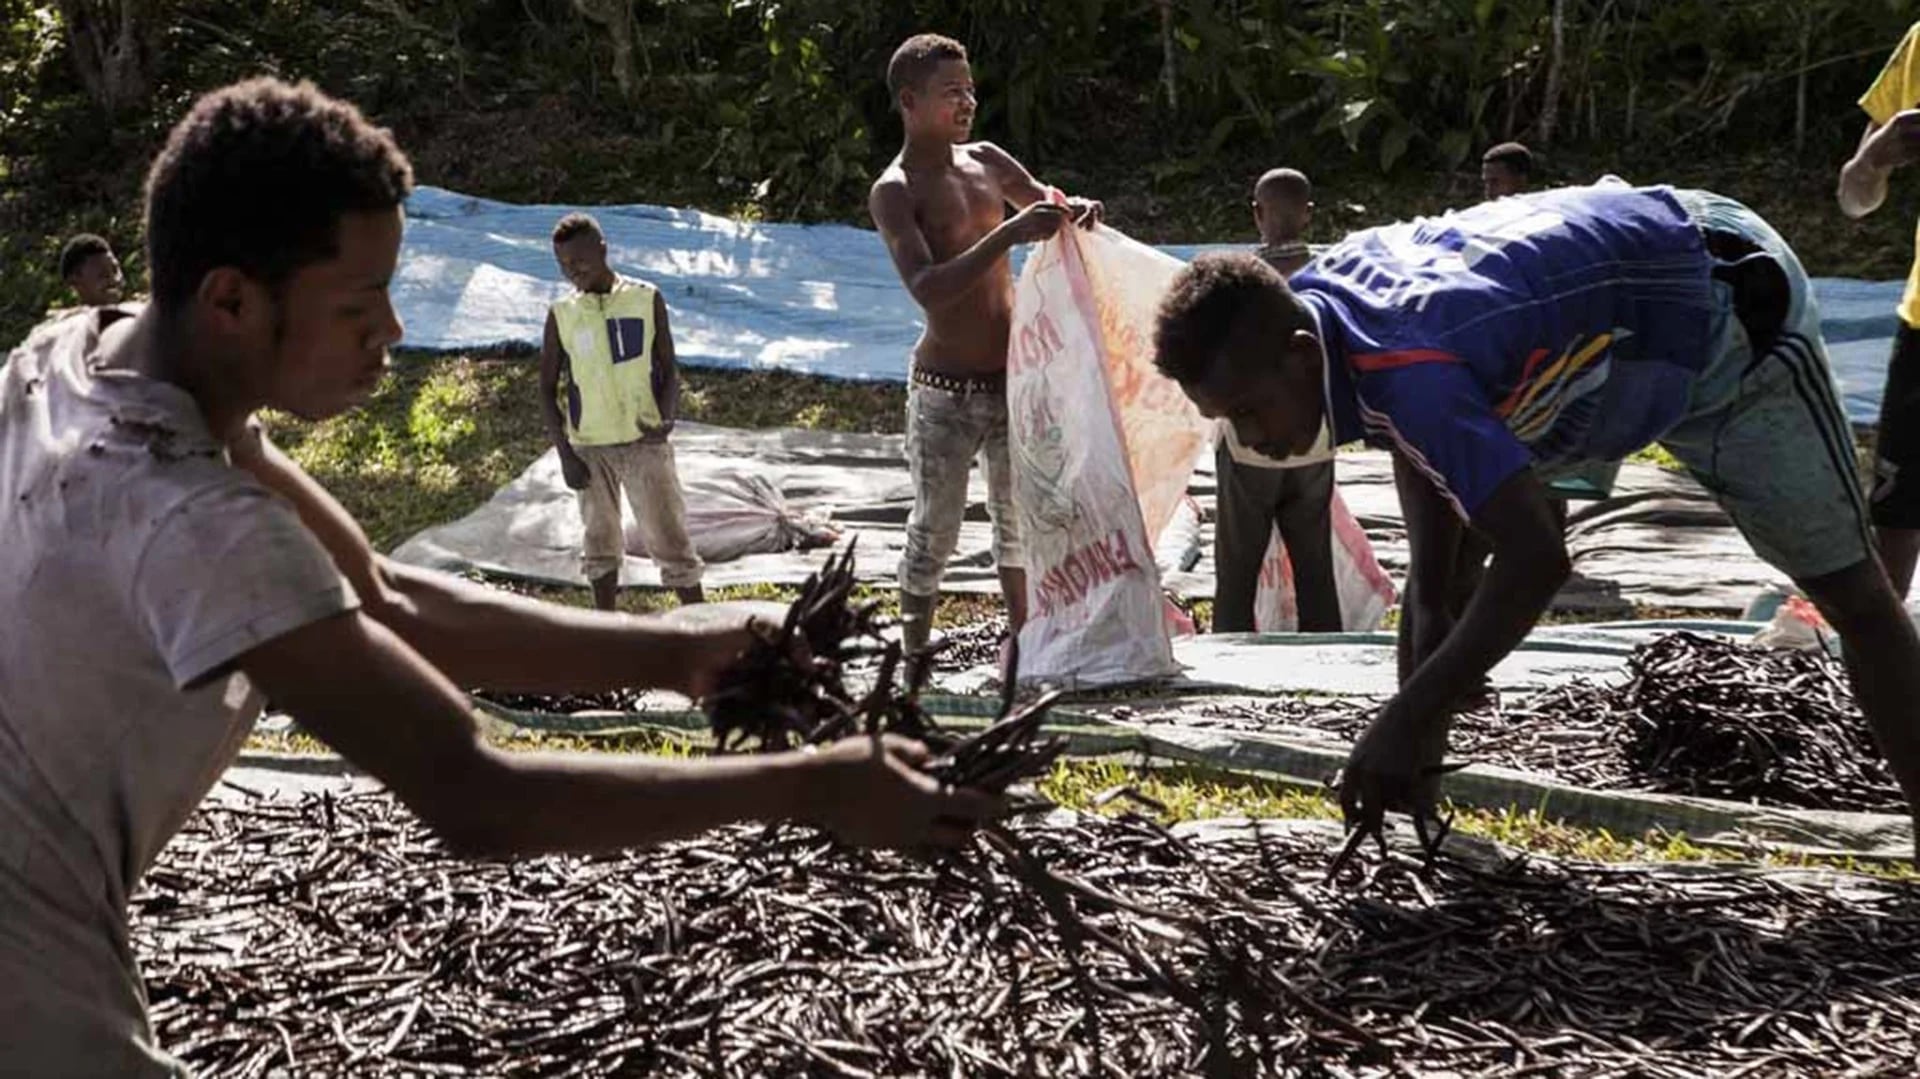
136 564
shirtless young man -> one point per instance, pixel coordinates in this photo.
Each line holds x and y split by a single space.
941 207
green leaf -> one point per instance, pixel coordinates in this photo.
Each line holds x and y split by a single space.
1353 119
1218 137
1394 145
1453 147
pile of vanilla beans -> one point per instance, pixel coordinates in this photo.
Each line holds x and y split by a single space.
1696 715
795 686
336 936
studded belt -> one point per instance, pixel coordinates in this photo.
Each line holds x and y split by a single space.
964 385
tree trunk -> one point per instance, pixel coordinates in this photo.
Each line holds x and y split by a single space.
1800 84
1168 78
1550 101
115 46
617 17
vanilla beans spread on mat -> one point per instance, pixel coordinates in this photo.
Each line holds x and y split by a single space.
336 937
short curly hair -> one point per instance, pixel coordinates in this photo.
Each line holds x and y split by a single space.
576 224
257 176
914 61
1222 297
78 249
1511 154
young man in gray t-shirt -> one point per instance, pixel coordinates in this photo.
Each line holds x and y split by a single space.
167 565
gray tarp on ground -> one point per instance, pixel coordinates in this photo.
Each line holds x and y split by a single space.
1160 724
1364 664
1659 541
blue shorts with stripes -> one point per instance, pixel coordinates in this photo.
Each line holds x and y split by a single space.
1764 430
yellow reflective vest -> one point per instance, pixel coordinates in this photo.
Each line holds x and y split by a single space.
607 394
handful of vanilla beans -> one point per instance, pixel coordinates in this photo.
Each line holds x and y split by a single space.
790 688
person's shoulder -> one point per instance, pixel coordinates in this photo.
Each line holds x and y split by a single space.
131 455
990 154
890 199
984 150
892 179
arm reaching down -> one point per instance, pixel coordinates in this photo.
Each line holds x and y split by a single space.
553 361
1434 532
666 363
1393 765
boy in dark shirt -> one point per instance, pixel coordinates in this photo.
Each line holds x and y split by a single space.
1258 493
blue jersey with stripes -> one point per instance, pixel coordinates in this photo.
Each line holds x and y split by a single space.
1542 329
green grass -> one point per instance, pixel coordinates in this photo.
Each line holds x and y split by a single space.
1657 455
442 433
1187 793
1175 794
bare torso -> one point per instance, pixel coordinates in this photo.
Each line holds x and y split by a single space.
955 207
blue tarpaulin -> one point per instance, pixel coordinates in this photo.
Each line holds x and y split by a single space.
817 299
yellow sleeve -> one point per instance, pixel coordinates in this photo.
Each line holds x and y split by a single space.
1898 87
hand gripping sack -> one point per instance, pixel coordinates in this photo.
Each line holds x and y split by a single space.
1102 448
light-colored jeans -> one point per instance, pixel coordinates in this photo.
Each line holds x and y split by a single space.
945 432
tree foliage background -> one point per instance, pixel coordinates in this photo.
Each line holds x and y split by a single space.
777 108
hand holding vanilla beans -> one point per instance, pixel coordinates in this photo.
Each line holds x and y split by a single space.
790 688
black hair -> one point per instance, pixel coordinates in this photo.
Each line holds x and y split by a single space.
914 61
257 176
1511 154
77 250
1290 185
576 224
1219 297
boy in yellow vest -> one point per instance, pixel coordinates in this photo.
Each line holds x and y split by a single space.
609 350
1892 141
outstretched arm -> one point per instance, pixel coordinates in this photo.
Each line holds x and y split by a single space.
400 719
1529 565
1022 190
1434 532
